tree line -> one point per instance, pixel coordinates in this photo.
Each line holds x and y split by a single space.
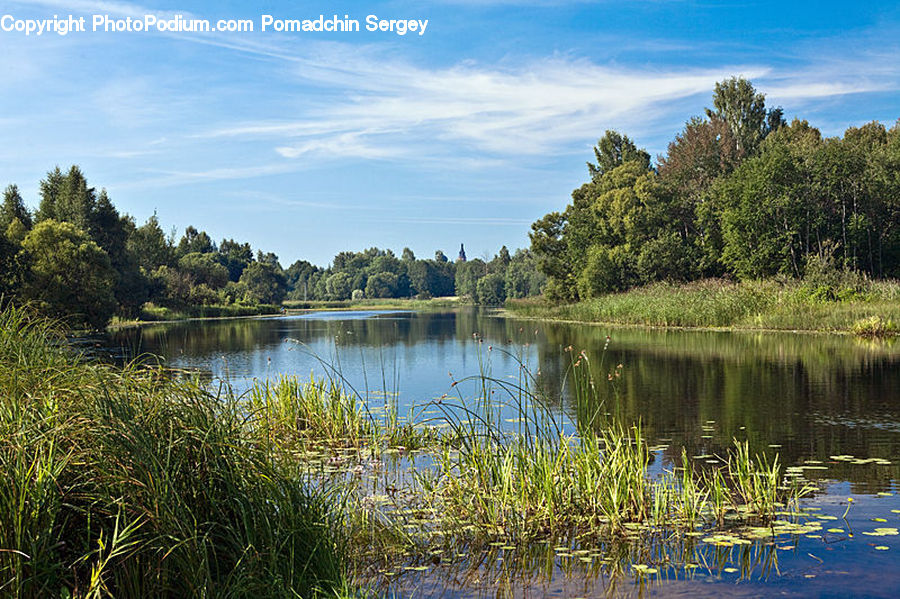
76 257
739 193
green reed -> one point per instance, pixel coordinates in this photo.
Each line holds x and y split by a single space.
129 483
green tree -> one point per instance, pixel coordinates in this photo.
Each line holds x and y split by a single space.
235 257
265 284
382 284
743 109
523 279
550 245
338 286
491 290
203 269
13 208
467 275
194 241
150 246
615 149
67 198
68 275
762 216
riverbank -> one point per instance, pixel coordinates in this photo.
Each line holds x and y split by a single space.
870 310
435 303
151 314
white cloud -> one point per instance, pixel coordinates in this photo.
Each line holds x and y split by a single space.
391 108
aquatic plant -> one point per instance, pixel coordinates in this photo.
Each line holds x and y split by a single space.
131 483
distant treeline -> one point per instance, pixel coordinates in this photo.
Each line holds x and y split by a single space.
76 257
739 193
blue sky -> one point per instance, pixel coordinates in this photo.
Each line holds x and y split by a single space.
307 144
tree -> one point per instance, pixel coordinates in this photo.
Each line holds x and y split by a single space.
491 290
738 104
235 257
408 255
763 215
50 189
523 279
615 149
338 286
194 241
67 198
265 284
269 258
13 208
9 271
467 275
150 246
382 284
440 257
68 275
203 269
550 245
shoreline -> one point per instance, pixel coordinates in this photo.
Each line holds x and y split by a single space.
395 304
511 313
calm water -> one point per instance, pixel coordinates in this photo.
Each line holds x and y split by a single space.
806 397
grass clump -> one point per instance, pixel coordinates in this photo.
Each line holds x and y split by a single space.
126 483
537 482
874 327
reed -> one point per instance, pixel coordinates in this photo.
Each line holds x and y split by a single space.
864 307
537 482
129 483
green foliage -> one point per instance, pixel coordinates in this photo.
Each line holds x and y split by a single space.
491 290
265 283
467 275
743 110
203 269
382 284
67 274
235 257
613 150
150 246
194 241
739 193
13 208
338 286
131 484
523 279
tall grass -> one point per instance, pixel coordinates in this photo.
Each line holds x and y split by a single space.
537 481
126 483
768 304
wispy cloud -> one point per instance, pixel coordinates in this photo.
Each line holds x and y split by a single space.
391 108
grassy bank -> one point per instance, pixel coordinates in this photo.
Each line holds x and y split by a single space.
866 308
153 313
436 303
127 483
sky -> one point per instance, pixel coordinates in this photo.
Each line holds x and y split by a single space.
311 143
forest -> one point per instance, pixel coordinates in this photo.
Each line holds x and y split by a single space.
739 194
77 258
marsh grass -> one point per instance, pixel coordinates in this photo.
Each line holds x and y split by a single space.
768 304
131 482
127 483
538 481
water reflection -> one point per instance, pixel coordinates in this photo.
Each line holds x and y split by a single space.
804 396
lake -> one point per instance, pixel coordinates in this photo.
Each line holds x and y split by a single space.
826 404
